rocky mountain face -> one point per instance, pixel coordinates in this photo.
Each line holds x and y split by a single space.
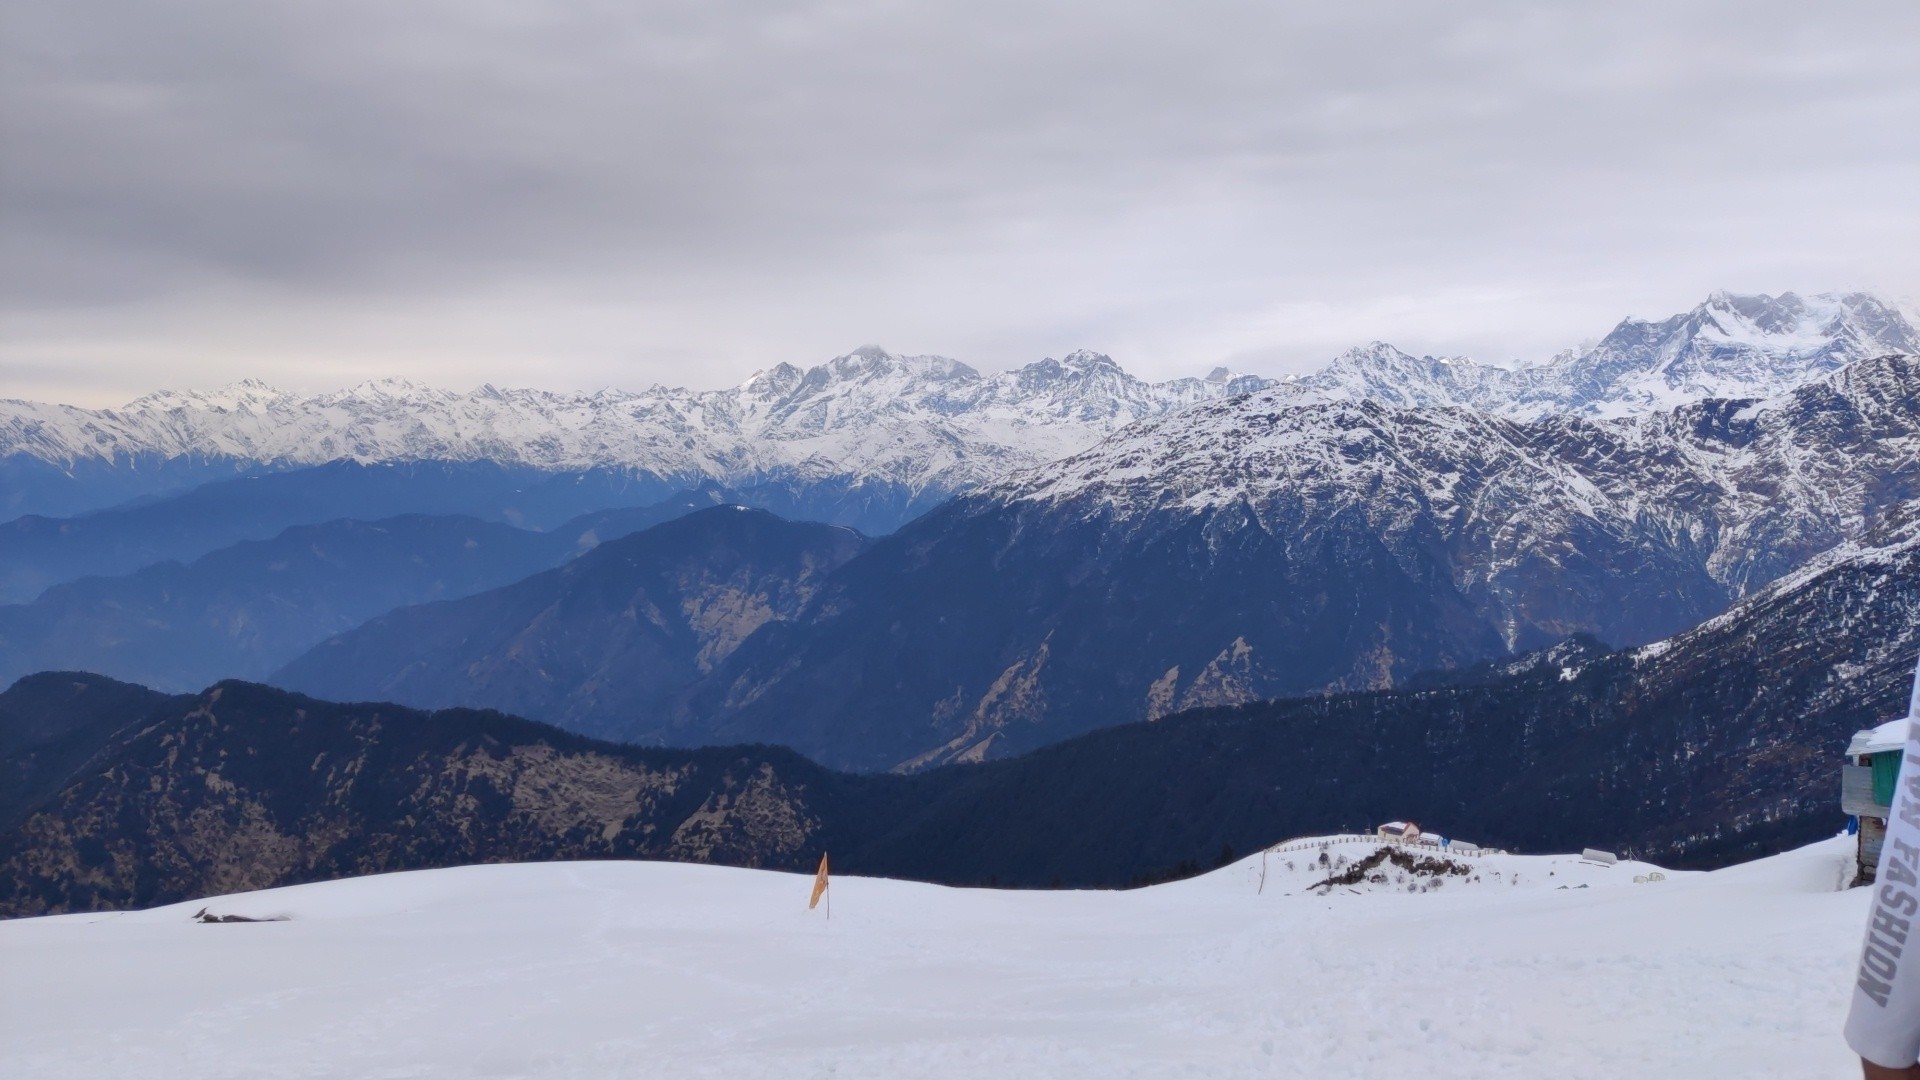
1261 548
1702 749
1712 747
602 644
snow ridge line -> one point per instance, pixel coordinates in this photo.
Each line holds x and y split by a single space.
1314 843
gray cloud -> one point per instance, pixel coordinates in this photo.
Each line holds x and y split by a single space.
598 192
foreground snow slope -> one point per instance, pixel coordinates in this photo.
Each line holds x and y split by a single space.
655 969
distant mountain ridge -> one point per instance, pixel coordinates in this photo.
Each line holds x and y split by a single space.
244 610
1258 547
914 428
38 552
892 435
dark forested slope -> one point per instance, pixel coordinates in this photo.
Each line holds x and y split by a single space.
1720 744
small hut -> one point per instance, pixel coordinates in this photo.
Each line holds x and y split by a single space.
1399 832
1866 787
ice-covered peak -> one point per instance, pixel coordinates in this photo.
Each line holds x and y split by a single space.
1079 365
392 389
863 361
1373 352
776 381
933 424
1087 360
252 394
1785 319
938 367
1788 322
506 395
1380 355
870 361
1040 372
1732 345
1380 372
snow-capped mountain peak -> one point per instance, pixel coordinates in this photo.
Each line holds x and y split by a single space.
392 390
776 381
872 361
931 425
245 394
925 424
1088 360
1790 319
1079 364
1731 346
1380 372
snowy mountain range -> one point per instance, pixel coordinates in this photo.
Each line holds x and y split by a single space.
1730 346
1117 550
1715 475
1262 546
924 423
912 430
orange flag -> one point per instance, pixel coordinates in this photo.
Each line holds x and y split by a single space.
819 883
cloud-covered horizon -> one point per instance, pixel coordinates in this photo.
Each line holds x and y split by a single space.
589 194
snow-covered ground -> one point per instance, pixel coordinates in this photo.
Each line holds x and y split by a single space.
663 970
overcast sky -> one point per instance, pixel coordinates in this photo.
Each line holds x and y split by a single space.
612 192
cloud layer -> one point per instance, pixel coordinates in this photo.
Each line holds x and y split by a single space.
591 193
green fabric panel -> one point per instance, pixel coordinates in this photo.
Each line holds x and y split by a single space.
1886 773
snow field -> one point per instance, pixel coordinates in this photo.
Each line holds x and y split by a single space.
656 969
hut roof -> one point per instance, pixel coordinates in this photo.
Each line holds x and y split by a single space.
1891 735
